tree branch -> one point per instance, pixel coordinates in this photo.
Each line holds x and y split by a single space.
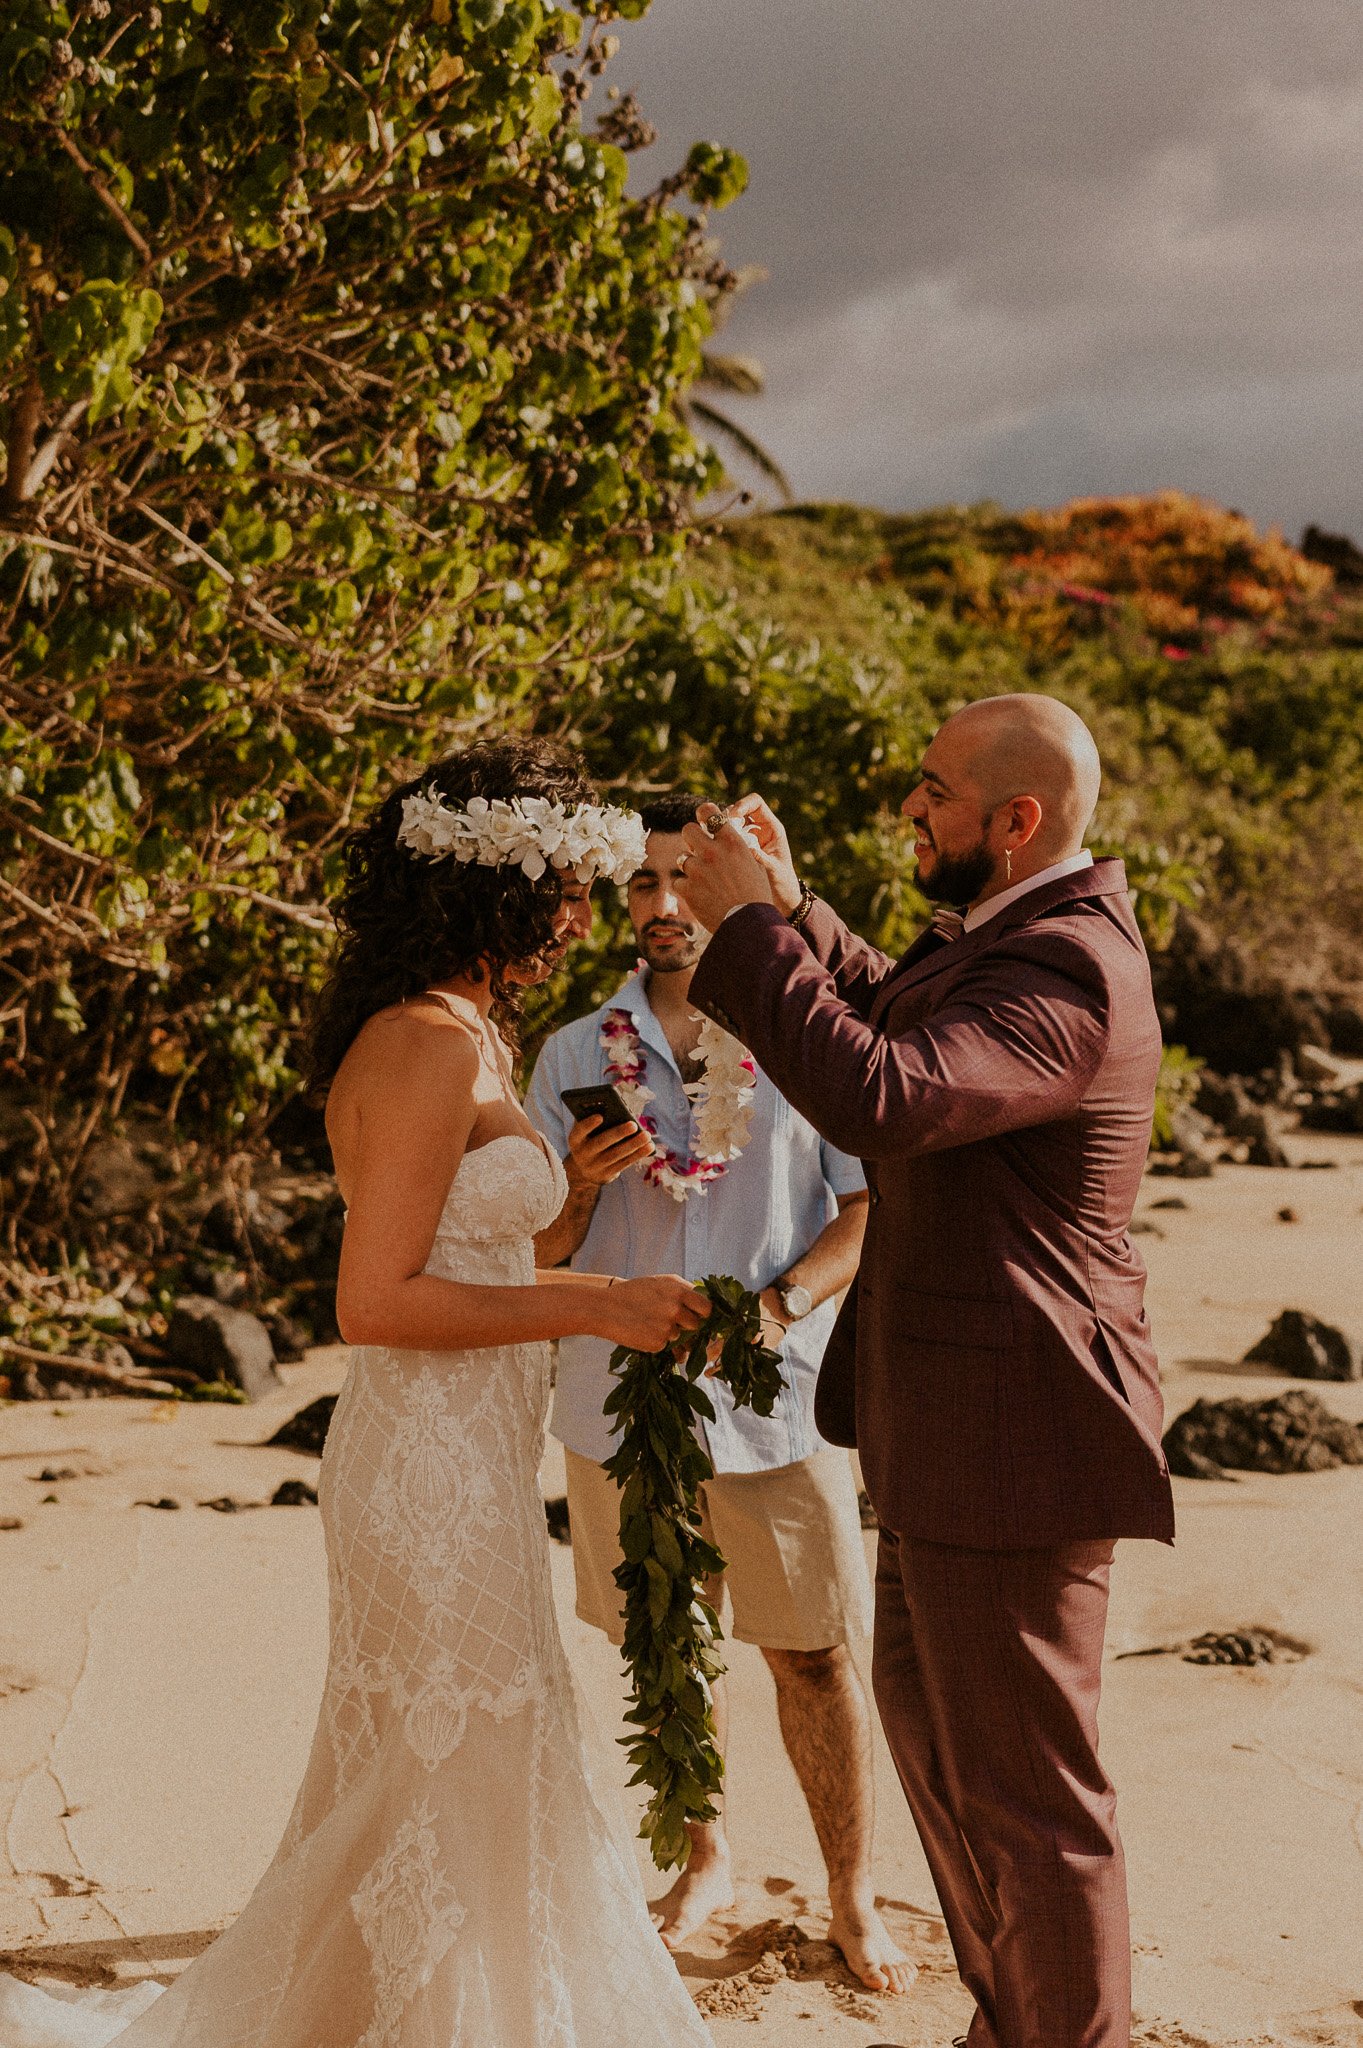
52 447
28 830
263 616
99 186
310 915
85 1369
23 432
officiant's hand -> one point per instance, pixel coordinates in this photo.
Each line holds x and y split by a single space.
774 847
721 868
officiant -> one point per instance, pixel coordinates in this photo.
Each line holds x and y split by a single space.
785 1216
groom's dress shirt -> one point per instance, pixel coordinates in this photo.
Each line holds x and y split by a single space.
992 1361
756 1220
994 906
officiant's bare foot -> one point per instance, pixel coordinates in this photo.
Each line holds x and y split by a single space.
868 1948
706 1886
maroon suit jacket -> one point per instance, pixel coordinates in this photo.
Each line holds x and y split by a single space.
992 1362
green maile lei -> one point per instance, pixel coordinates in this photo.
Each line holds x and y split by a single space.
671 1632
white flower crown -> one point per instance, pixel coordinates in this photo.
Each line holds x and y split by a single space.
527 832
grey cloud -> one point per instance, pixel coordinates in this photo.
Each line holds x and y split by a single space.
1032 250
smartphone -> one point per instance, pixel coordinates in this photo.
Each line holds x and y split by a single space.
603 1101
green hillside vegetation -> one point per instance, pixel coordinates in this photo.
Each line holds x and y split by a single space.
812 652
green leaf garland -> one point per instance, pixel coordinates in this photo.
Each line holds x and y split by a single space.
671 1632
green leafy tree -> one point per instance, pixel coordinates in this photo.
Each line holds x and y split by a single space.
339 374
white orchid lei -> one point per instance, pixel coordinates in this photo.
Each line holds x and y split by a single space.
722 1103
528 832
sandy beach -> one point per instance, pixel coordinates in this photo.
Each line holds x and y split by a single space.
160 1671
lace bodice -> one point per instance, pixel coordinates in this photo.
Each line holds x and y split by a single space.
501 1194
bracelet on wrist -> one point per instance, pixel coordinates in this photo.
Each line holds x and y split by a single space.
802 909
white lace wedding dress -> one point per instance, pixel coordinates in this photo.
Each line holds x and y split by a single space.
448 1878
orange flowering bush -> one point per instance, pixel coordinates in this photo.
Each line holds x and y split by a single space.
1181 565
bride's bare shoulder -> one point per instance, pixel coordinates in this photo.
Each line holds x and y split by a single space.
406 1047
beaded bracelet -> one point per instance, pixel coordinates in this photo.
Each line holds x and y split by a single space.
797 917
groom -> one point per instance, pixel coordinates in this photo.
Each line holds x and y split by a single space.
993 1361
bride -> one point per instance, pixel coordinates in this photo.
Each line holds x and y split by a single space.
450 1877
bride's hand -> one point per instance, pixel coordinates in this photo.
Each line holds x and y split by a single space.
647 1315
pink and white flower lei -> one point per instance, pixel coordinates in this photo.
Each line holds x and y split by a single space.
722 1103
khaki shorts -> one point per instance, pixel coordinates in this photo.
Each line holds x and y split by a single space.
796 1575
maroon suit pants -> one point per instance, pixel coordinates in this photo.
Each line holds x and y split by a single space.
987 1671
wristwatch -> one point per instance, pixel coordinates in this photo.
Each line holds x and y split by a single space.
796 1301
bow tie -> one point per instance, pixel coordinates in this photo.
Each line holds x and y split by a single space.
947 924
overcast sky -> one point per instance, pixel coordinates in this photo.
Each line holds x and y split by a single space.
1026 249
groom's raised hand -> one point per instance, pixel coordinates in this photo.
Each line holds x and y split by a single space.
726 866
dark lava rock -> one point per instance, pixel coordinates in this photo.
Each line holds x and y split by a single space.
224 1504
556 1519
1190 1147
10 1522
1293 1433
1264 1149
116 1180
1344 1022
1337 1109
1169 1202
164 1502
307 1430
289 1337
240 1218
228 1286
1244 1646
221 1343
296 1493
1219 1000
1307 1349
1227 1101
1191 1128
1288 1215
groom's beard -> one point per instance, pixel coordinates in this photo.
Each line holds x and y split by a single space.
958 878
671 948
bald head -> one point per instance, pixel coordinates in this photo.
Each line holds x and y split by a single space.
1009 786
1025 745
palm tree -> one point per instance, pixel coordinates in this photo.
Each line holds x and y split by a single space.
742 378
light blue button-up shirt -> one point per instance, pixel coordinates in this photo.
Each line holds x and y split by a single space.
762 1215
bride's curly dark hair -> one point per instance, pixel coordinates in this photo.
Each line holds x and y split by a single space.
407 921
